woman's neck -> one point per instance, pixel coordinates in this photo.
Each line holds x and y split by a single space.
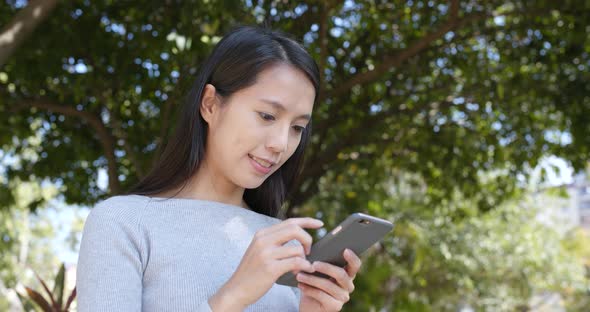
204 186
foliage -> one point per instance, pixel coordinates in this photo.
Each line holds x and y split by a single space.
443 255
32 241
56 301
429 112
445 88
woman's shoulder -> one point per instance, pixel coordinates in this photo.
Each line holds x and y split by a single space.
115 219
119 207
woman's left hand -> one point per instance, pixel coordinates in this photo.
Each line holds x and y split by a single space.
319 294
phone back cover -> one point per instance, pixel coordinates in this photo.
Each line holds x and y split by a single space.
353 235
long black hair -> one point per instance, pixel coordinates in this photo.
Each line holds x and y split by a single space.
234 64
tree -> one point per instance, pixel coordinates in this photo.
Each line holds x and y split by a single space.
31 231
463 95
447 254
443 87
26 241
23 24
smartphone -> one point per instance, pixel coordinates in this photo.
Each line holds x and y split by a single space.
357 232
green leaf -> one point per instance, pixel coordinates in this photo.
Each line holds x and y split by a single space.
58 288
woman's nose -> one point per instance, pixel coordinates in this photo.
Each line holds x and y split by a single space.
278 139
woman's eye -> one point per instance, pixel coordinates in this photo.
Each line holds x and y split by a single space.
298 129
266 116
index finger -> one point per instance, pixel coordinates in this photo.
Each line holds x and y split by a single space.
353 262
305 222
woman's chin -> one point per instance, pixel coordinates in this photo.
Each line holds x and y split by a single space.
252 183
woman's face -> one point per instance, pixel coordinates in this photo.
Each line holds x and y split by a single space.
257 129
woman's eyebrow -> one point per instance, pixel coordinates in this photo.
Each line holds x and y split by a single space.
281 107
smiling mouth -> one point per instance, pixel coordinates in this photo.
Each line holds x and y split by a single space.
261 162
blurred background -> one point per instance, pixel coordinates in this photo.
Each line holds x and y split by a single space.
467 123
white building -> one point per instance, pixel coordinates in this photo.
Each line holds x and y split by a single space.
567 210
579 201
581 198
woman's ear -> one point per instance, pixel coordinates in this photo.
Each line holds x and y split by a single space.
209 103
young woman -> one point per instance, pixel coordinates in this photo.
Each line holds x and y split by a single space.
201 231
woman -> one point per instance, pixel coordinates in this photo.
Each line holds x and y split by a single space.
200 232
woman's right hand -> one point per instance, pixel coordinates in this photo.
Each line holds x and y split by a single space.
265 260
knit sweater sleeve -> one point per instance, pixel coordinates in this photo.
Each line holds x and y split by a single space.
112 259
297 293
109 271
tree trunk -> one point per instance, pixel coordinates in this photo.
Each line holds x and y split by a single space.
22 25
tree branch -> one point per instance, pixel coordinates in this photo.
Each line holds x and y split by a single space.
167 110
453 22
314 168
122 135
389 62
323 38
22 25
105 138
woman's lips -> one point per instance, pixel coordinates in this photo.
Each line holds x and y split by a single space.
258 167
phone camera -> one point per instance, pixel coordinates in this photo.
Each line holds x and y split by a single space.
363 221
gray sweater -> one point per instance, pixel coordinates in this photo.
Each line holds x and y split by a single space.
148 254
